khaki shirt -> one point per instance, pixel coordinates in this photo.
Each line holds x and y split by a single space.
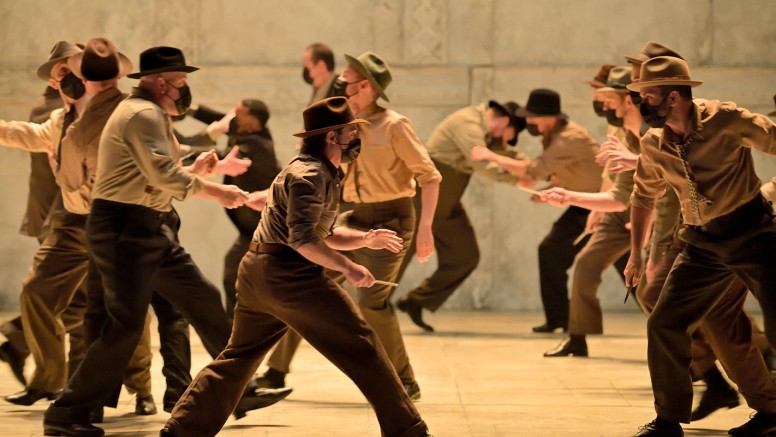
392 158
719 152
453 139
569 158
622 186
33 137
137 162
78 156
302 203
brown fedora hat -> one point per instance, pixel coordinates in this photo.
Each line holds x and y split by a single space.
60 52
600 78
618 80
664 71
100 60
374 69
773 114
652 49
326 115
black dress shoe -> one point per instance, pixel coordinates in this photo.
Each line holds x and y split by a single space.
660 428
415 312
270 379
714 400
569 347
760 424
413 390
166 432
97 415
144 406
260 398
15 359
29 396
549 328
72 429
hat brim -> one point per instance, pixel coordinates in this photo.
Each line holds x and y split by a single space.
125 66
637 86
179 69
632 60
44 71
305 134
610 89
595 83
524 113
359 67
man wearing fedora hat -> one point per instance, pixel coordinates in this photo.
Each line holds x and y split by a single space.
132 230
598 82
568 160
381 184
703 153
282 285
491 124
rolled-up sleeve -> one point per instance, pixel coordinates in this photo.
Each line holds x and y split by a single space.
623 187
305 207
648 181
757 131
559 154
410 150
149 145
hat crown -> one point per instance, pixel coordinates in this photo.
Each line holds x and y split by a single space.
664 68
63 49
619 78
161 57
543 102
327 113
374 69
100 60
603 73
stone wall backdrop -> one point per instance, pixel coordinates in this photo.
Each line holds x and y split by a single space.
445 54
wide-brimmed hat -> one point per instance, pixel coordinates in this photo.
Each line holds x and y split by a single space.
326 115
600 78
652 49
618 80
60 52
162 59
373 68
773 114
664 71
100 60
542 103
510 109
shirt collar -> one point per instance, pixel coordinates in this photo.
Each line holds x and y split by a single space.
370 110
318 156
696 127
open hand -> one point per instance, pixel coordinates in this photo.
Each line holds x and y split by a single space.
231 165
204 163
257 200
383 239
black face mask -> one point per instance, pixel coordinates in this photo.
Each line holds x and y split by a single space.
598 107
72 86
306 76
532 129
612 119
651 114
635 97
350 153
183 102
339 89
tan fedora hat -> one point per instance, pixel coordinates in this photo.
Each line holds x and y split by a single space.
618 80
600 78
373 68
326 115
652 49
60 52
100 60
664 71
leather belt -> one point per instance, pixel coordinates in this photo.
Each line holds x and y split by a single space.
272 248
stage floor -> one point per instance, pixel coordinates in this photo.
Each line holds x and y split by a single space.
481 374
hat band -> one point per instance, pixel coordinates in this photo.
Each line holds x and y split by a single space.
680 77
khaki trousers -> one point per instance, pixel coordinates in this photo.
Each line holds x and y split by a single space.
275 292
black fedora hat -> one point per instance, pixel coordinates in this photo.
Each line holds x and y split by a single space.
542 103
100 60
510 110
326 115
161 60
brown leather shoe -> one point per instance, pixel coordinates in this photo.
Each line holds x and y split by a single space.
260 398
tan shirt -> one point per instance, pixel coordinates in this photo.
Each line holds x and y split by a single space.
302 203
453 139
622 185
392 158
719 152
569 158
137 162
33 137
78 160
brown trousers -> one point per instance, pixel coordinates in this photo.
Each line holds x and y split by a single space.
275 292
609 242
374 303
701 290
53 303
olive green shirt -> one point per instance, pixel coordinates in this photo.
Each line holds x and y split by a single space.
137 162
719 140
568 158
453 139
302 203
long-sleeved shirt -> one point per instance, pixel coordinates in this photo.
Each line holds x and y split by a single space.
302 203
78 154
392 158
569 158
33 137
453 139
622 182
719 144
137 162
